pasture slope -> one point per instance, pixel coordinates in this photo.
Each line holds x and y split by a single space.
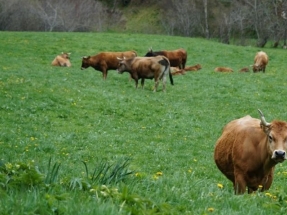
54 120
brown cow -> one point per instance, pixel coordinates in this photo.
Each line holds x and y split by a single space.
193 68
260 62
248 150
245 69
62 60
147 68
176 71
223 69
177 58
105 61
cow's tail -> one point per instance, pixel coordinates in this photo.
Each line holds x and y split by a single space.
165 62
170 76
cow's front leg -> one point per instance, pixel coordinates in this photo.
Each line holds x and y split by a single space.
105 73
239 184
142 83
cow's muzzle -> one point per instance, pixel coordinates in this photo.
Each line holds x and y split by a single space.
279 155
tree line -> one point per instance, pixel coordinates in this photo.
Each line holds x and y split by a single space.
263 20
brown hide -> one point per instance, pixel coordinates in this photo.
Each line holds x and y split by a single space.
177 71
223 69
105 61
193 68
260 61
245 69
147 68
177 58
247 152
62 60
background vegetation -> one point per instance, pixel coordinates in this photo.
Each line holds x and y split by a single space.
72 143
228 21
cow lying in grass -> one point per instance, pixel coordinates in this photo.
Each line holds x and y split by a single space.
62 60
147 68
105 61
193 68
223 69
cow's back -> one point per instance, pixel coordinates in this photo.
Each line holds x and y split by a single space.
229 147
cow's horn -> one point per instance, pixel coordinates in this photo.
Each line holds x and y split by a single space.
263 121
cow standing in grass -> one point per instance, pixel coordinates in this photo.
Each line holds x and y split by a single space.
147 68
62 60
105 61
260 62
248 150
177 58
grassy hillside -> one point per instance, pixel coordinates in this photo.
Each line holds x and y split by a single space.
56 120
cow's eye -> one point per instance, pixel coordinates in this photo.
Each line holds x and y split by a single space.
270 138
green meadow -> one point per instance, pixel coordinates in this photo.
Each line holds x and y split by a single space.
72 143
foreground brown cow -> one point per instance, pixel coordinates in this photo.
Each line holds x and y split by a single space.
223 69
248 150
147 68
62 60
177 58
105 61
260 62
193 68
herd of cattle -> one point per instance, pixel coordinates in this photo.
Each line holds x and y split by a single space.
248 149
150 66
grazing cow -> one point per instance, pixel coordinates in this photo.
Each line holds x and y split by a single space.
260 62
105 61
223 69
245 69
147 68
193 68
62 60
177 58
248 150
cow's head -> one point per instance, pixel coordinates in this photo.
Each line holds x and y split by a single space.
85 62
256 68
277 138
149 53
65 55
122 66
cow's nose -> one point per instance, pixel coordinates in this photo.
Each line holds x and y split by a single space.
280 154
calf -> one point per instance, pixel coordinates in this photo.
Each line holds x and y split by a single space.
147 68
62 60
105 61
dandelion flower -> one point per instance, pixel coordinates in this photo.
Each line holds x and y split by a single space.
159 173
220 185
210 209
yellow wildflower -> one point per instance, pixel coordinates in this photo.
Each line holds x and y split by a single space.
220 185
210 209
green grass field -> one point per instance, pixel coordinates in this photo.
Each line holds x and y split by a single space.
72 143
